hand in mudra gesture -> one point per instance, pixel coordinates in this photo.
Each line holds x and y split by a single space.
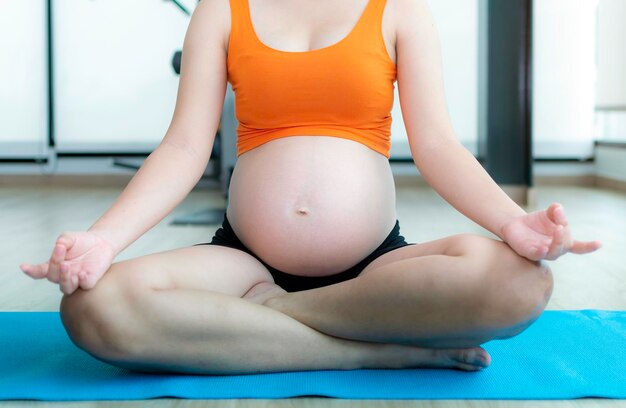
79 259
544 234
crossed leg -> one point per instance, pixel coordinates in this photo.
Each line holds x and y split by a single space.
459 291
182 311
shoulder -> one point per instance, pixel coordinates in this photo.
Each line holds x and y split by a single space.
409 16
214 15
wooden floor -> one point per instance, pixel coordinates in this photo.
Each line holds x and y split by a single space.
32 217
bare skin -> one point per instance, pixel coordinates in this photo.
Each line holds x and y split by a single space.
307 205
199 320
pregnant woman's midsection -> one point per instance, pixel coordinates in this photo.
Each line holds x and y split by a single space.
312 205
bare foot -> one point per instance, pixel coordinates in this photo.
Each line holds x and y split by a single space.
263 291
466 359
391 355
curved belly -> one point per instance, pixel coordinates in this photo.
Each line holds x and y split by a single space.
312 205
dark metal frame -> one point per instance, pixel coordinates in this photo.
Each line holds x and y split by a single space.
507 142
51 141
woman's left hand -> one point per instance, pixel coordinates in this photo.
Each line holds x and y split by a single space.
544 234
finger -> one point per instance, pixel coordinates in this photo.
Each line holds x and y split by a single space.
555 249
66 240
65 280
58 255
579 247
35 271
559 216
551 212
539 254
73 278
87 281
74 283
535 253
542 246
75 271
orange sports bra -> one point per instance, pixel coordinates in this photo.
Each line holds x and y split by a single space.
344 90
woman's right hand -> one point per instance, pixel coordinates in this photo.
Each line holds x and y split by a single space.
79 259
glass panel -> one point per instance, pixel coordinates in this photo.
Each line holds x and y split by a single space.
23 79
564 78
114 84
611 58
457 25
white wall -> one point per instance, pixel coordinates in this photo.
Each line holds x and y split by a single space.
610 162
611 55
563 77
23 79
457 25
114 84
611 125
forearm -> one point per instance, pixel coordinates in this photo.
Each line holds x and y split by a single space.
460 179
163 181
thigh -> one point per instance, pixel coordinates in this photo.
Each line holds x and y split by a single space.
122 303
205 267
454 245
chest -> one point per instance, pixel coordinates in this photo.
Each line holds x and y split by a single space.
302 26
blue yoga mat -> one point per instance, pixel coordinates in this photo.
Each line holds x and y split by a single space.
563 355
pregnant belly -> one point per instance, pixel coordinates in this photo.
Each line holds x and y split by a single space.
312 205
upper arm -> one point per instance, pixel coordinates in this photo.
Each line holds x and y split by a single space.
420 78
202 84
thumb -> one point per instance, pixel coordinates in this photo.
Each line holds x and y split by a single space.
67 239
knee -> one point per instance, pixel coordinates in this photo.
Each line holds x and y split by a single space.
514 290
533 296
94 319
522 289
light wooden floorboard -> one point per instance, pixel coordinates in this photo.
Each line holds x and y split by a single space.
32 217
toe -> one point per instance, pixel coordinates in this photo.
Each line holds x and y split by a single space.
475 358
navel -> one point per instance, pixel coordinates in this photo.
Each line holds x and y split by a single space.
302 211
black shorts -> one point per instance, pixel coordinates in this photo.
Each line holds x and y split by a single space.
225 236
